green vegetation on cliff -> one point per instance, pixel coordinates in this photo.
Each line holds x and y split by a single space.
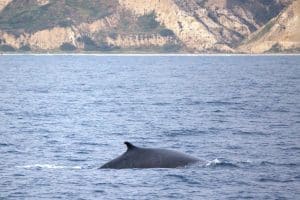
20 16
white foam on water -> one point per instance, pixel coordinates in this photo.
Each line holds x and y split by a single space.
213 162
48 166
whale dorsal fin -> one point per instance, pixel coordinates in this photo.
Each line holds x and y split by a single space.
130 146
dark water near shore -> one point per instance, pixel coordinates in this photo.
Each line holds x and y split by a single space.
61 117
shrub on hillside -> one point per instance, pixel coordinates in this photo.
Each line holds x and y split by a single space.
171 47
67 47
166 32
6 48
275 48
89 44
25 48
148 22
65 23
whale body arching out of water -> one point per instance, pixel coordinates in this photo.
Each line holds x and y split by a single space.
137 157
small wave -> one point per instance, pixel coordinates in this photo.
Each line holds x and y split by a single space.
297 177
14 152
98 102
18 175
48 166
76 160
294 148
220 163
184 132
249 133
278 125
193 103
217 111
88 143
99 191
274 180
221 103
5 144
161 104
267 163
183 178
281 110
234 147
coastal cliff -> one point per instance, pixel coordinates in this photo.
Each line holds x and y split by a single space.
280 34
193 26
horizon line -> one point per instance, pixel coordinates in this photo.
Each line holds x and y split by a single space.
147 54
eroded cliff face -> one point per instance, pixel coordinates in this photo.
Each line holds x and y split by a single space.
217 25
189 30
282 33
99 25
45 39
232 21
42 2
226 27
4 3
53 38
141 40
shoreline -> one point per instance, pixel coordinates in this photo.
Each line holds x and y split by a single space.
144 55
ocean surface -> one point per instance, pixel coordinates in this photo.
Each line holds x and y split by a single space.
63 116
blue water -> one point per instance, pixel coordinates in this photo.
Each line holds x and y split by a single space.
61 117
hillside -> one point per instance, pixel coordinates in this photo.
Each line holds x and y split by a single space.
280 34
194 26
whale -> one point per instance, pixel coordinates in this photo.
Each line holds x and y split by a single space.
138 157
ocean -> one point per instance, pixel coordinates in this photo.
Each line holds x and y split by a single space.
63 116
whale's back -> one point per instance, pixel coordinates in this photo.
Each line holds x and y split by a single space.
150 158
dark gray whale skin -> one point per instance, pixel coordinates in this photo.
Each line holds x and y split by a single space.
137 157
